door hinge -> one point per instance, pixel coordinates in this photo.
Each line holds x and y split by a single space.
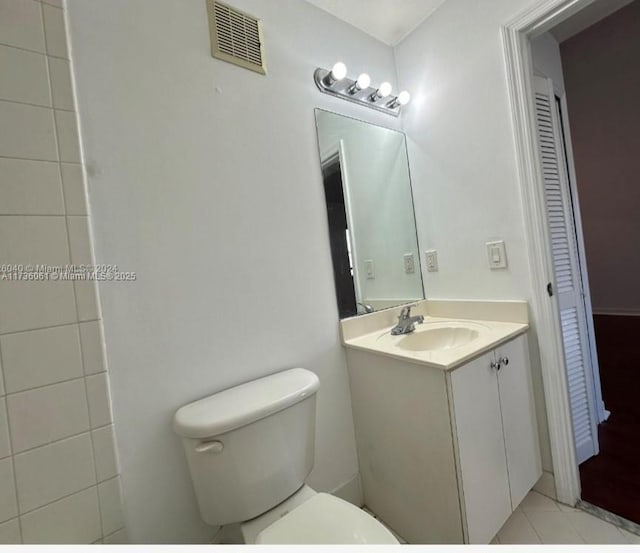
550 289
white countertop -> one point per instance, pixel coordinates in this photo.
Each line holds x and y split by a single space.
490 335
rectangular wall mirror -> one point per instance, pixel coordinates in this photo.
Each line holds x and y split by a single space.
372 228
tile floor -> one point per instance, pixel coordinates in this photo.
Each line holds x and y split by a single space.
539 519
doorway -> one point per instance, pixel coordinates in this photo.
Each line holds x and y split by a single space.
602 79
517 36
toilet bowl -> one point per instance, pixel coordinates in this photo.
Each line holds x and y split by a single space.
310 518
250 449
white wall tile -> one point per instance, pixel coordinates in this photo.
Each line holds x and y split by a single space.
10 532
87 299
74 519
82 253
1 379
8 505
92 349
24 76
54 471
104 447
21 24
38 239
67 131
111 505
30 188
5 444
28 305
61 90
32 131
41 416
55 457
75 197
99 400
79 240
55 35
41 357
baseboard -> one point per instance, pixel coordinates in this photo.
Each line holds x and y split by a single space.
547 485
617 312
351 491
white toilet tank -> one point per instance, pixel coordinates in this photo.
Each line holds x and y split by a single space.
250 447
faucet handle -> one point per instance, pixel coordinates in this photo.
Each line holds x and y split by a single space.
406 311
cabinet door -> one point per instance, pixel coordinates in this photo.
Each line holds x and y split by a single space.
519 419
485 482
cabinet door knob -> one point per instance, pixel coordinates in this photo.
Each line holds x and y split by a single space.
495 365
504 360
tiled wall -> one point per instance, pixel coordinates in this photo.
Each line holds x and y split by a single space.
58 465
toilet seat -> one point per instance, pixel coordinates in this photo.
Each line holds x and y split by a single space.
326 519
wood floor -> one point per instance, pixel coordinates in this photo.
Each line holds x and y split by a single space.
611 480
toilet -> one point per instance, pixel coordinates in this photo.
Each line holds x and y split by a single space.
250 449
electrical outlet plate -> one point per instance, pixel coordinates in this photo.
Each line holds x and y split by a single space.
409 263
431 257
369 269
497 255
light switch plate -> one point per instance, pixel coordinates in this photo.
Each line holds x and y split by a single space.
431 257
409 263
369 269
497 255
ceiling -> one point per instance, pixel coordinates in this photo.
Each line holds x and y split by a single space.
385 20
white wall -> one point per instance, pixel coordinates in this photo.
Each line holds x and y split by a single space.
204 179
462 153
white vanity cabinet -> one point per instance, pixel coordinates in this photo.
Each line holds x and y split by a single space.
445 455
496 436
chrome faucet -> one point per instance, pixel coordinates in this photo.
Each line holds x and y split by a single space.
406 323
367 308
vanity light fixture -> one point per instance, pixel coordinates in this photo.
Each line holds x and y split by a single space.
401 99
361 83
337 73
359 91
381 92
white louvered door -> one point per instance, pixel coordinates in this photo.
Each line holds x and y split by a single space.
567 287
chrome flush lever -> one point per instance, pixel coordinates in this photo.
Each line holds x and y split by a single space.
214 446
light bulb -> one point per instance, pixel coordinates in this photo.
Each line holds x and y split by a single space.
363 81
403 98
384 90
339 71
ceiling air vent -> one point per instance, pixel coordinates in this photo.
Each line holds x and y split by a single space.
236 36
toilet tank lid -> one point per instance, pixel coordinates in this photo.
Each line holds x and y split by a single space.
244 404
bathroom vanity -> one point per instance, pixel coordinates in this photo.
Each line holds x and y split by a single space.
444 418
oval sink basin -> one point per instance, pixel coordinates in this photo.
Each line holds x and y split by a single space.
438 338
